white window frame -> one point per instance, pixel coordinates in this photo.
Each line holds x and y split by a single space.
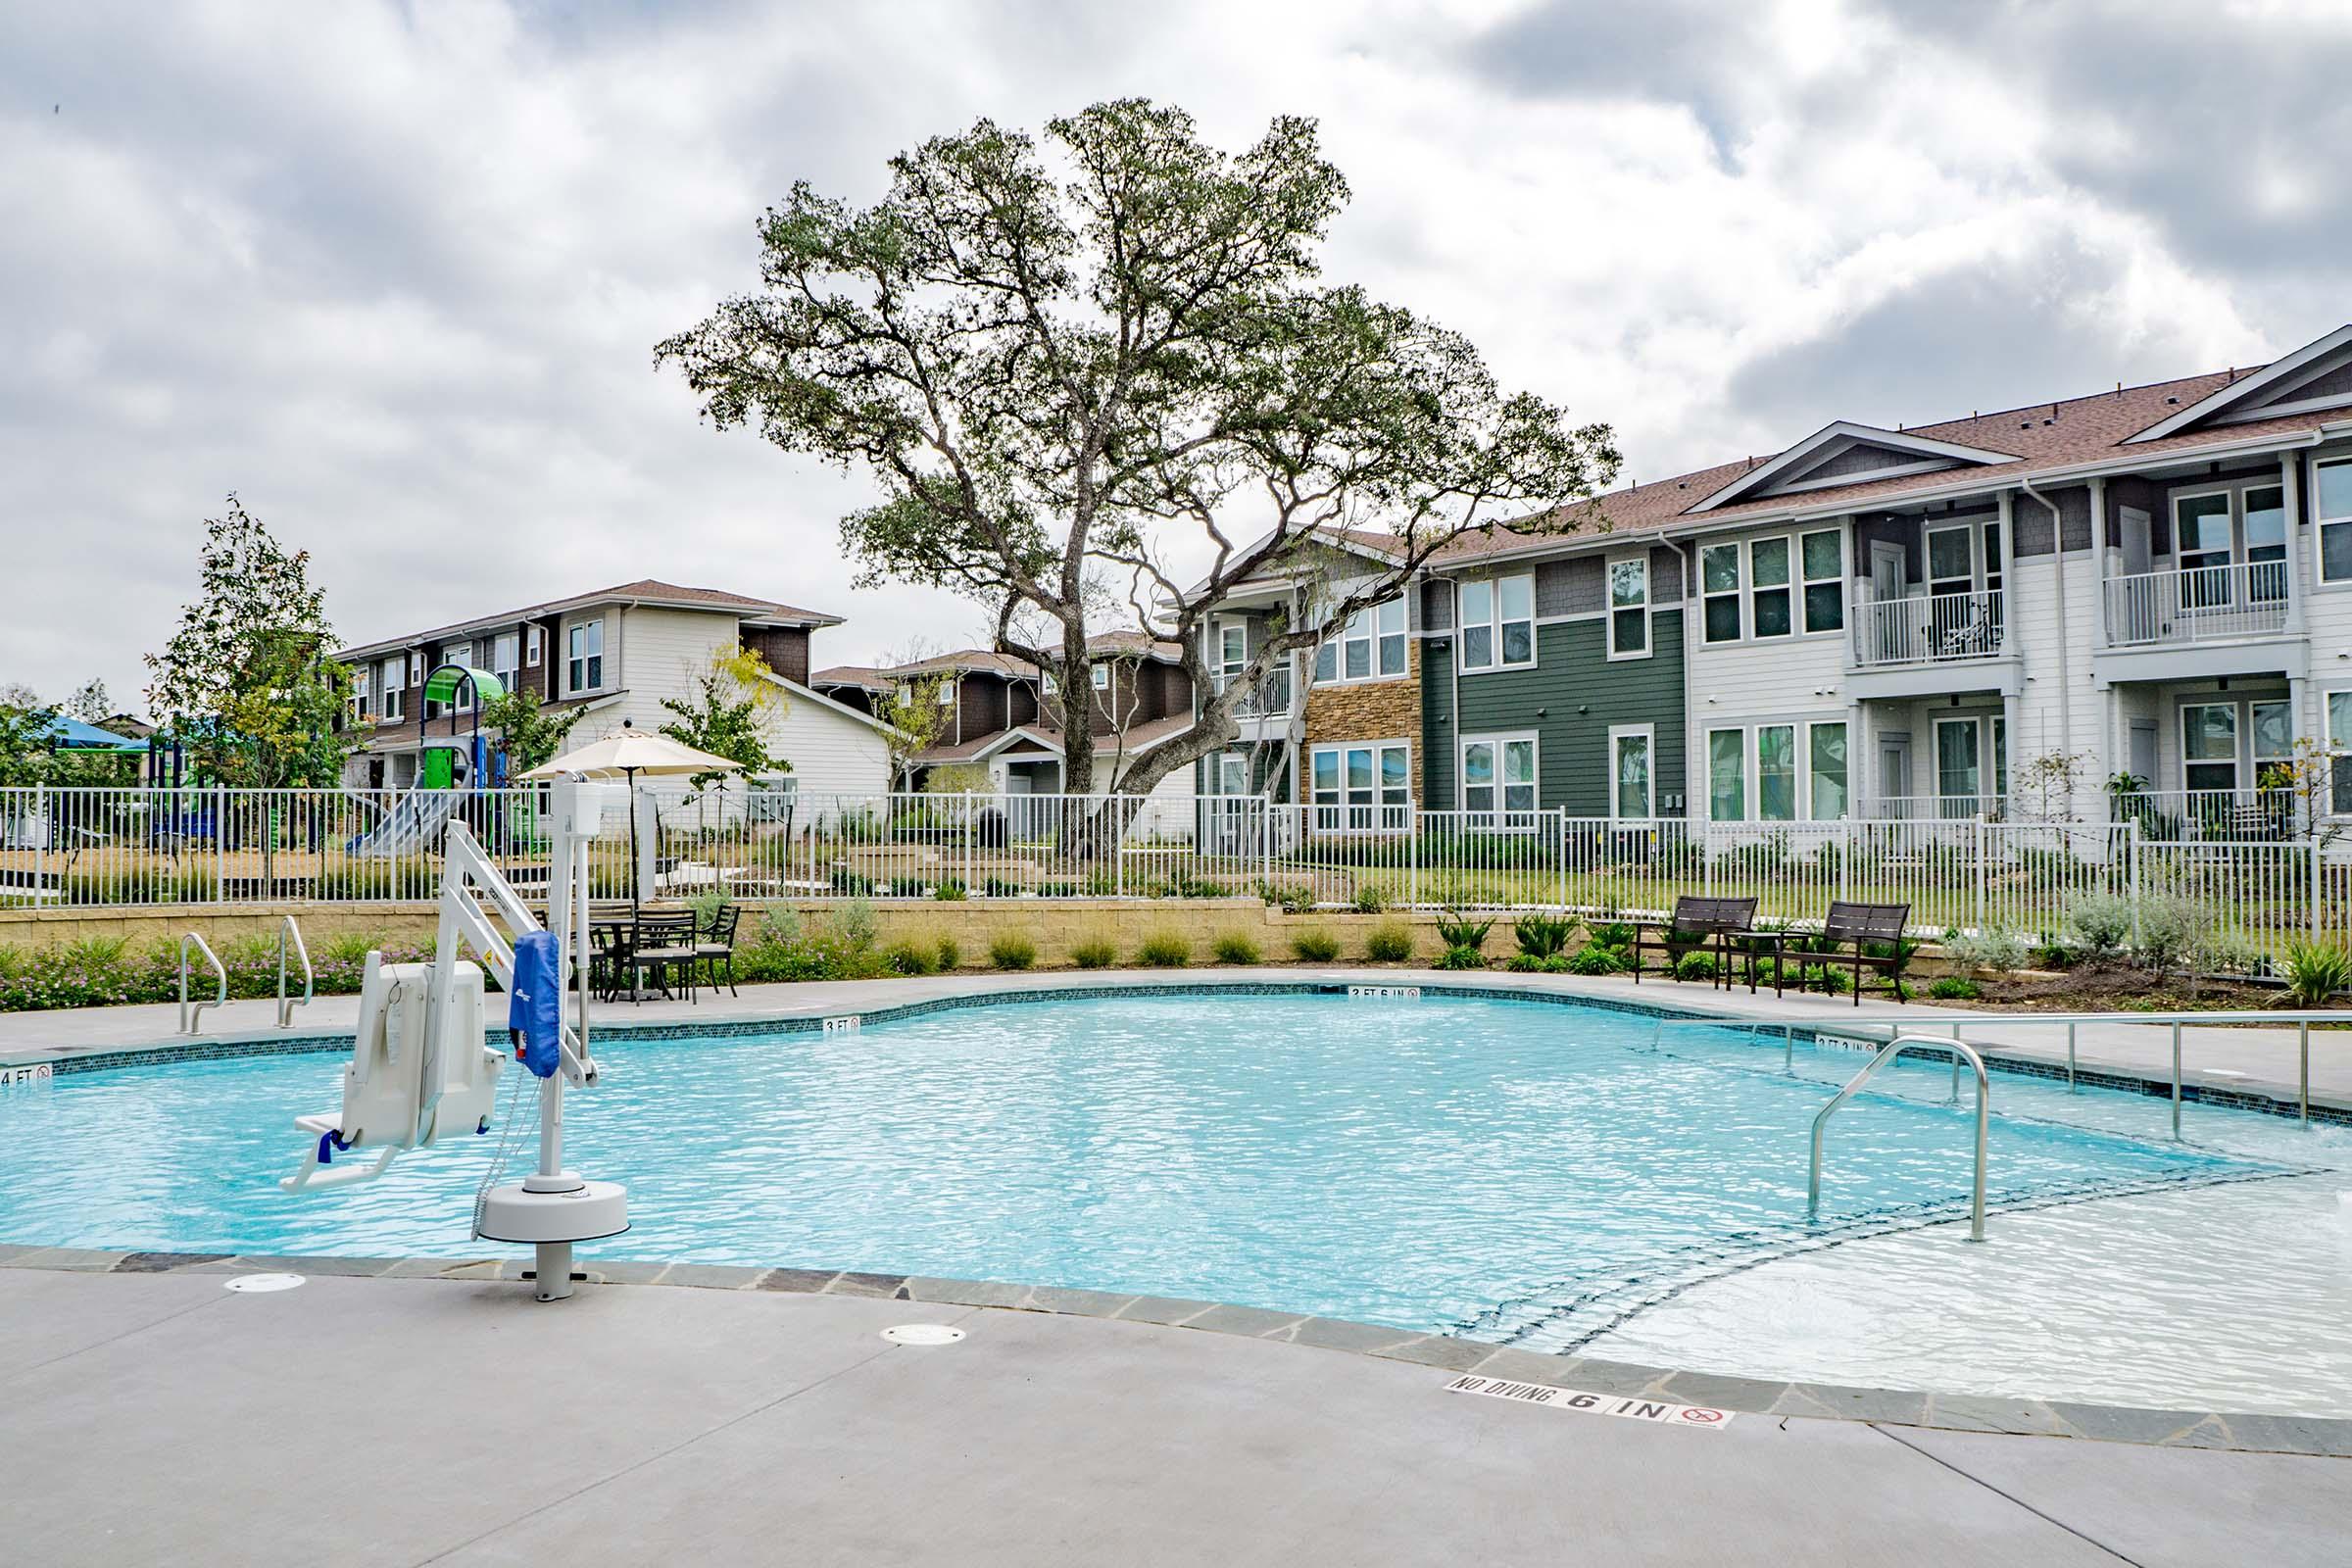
580 660
1233 772
461 696
531 649
1369 629
1746 808
1797 770
360 683
1786 585
2322 523
1736 593
1098 676
1496 622
1751 770
2338 739
507 666
1808 774
1342 815
2237 764
1806 583
1501 816
1648 735
395 695
1611 609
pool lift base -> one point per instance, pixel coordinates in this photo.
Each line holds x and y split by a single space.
551 1213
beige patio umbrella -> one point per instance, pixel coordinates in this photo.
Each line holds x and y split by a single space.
625 754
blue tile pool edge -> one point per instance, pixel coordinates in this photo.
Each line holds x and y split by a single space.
110 1058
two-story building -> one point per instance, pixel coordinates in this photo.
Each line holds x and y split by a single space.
1003 718
611 655
2008 613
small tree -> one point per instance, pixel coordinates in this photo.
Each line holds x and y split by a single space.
2304 784
915 716
735 698
24 746
2043 790
530 734
1102 369
245 681
90 703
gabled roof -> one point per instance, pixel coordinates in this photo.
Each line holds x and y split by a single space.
1139 739
2270 391
865 677
1824 459
643 590
988 662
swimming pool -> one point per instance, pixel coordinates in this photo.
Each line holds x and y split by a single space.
1518 1171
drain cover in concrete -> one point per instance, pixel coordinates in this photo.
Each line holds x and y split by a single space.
264 1282
922 1333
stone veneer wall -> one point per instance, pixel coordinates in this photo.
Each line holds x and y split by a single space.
1370 711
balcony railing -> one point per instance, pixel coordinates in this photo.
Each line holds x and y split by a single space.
2196 604
1949 807
2236 815
1270 699
1928 628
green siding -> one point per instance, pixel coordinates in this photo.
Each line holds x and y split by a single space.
1573 672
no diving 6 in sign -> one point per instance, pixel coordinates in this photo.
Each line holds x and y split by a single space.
1658 1411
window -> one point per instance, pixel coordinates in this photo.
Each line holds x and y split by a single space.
1499 623
1233 653
1361 788
530 647
1822 556
1769 613
2332 484
2339 753
1950 568
2272 728
1628 764
2201 546
1100 676
1825 748
585 669
1727 782
503 661
395 697
2209 746
359 698
946 691
1498 780
2266 543
1776 772
1959 764
1719 590
1628 608
1233 774
1370 646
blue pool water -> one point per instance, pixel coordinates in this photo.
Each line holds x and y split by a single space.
1474 1166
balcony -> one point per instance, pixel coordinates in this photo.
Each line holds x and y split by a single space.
2185 607
1908 643
1271 699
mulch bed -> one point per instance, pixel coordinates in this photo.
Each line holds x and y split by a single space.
2109 987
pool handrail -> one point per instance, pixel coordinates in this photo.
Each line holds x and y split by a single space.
1886 1054
192 1018
289 931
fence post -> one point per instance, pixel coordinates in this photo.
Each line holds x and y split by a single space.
1981 877
1412 854
220 844
1563 853
2132 847
971 882
1845 859
1706 860
40 845
2318 881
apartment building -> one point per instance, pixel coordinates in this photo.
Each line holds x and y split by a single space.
1004 716
614 655
2149 583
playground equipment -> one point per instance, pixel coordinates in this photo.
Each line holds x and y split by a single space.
420 1071
418 817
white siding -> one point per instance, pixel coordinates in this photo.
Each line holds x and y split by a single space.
831 753
666 652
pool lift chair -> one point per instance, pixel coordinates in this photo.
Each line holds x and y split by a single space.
420 1071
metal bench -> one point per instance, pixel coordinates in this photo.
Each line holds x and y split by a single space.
1852 930
1697 922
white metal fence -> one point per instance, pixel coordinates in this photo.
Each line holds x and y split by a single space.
83 848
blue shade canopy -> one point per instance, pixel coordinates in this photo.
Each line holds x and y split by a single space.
73 735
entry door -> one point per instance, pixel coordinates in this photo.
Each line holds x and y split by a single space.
2138 556
2143 753
1895 770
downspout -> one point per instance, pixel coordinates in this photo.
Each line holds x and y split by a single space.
1683 603
2066 647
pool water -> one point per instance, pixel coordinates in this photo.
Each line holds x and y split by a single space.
1517 1171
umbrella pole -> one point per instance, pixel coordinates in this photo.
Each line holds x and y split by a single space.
630 775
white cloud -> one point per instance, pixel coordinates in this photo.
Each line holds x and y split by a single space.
395 273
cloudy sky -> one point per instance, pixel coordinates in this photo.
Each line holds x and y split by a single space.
393 271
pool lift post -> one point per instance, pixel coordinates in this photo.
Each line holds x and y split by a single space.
413 1078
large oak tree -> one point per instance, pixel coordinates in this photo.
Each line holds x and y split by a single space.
1102 378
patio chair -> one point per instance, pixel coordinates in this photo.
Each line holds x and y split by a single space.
1697 922
715 947
662 943
1856 929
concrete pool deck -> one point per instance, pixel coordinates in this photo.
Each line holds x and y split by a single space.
2242 1063
157 1417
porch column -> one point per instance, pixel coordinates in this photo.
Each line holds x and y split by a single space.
2010 576
2009 754
2290 495
2099 549
1860 767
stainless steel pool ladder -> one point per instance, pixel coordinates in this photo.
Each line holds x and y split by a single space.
1960 1049
191 1014
290 933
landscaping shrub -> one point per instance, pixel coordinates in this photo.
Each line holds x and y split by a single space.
2173 933
1696 967
1542 935
1617 935
1236 948
1955 988
104 971
950 954
1992 949
911 957
999 887
2315 971
1525 963
1594 958
1012 951
1460 957
1315 946
949 891
1390 941
2098 924
1369 898
1094 953
1167 950
1291 897
1457 930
